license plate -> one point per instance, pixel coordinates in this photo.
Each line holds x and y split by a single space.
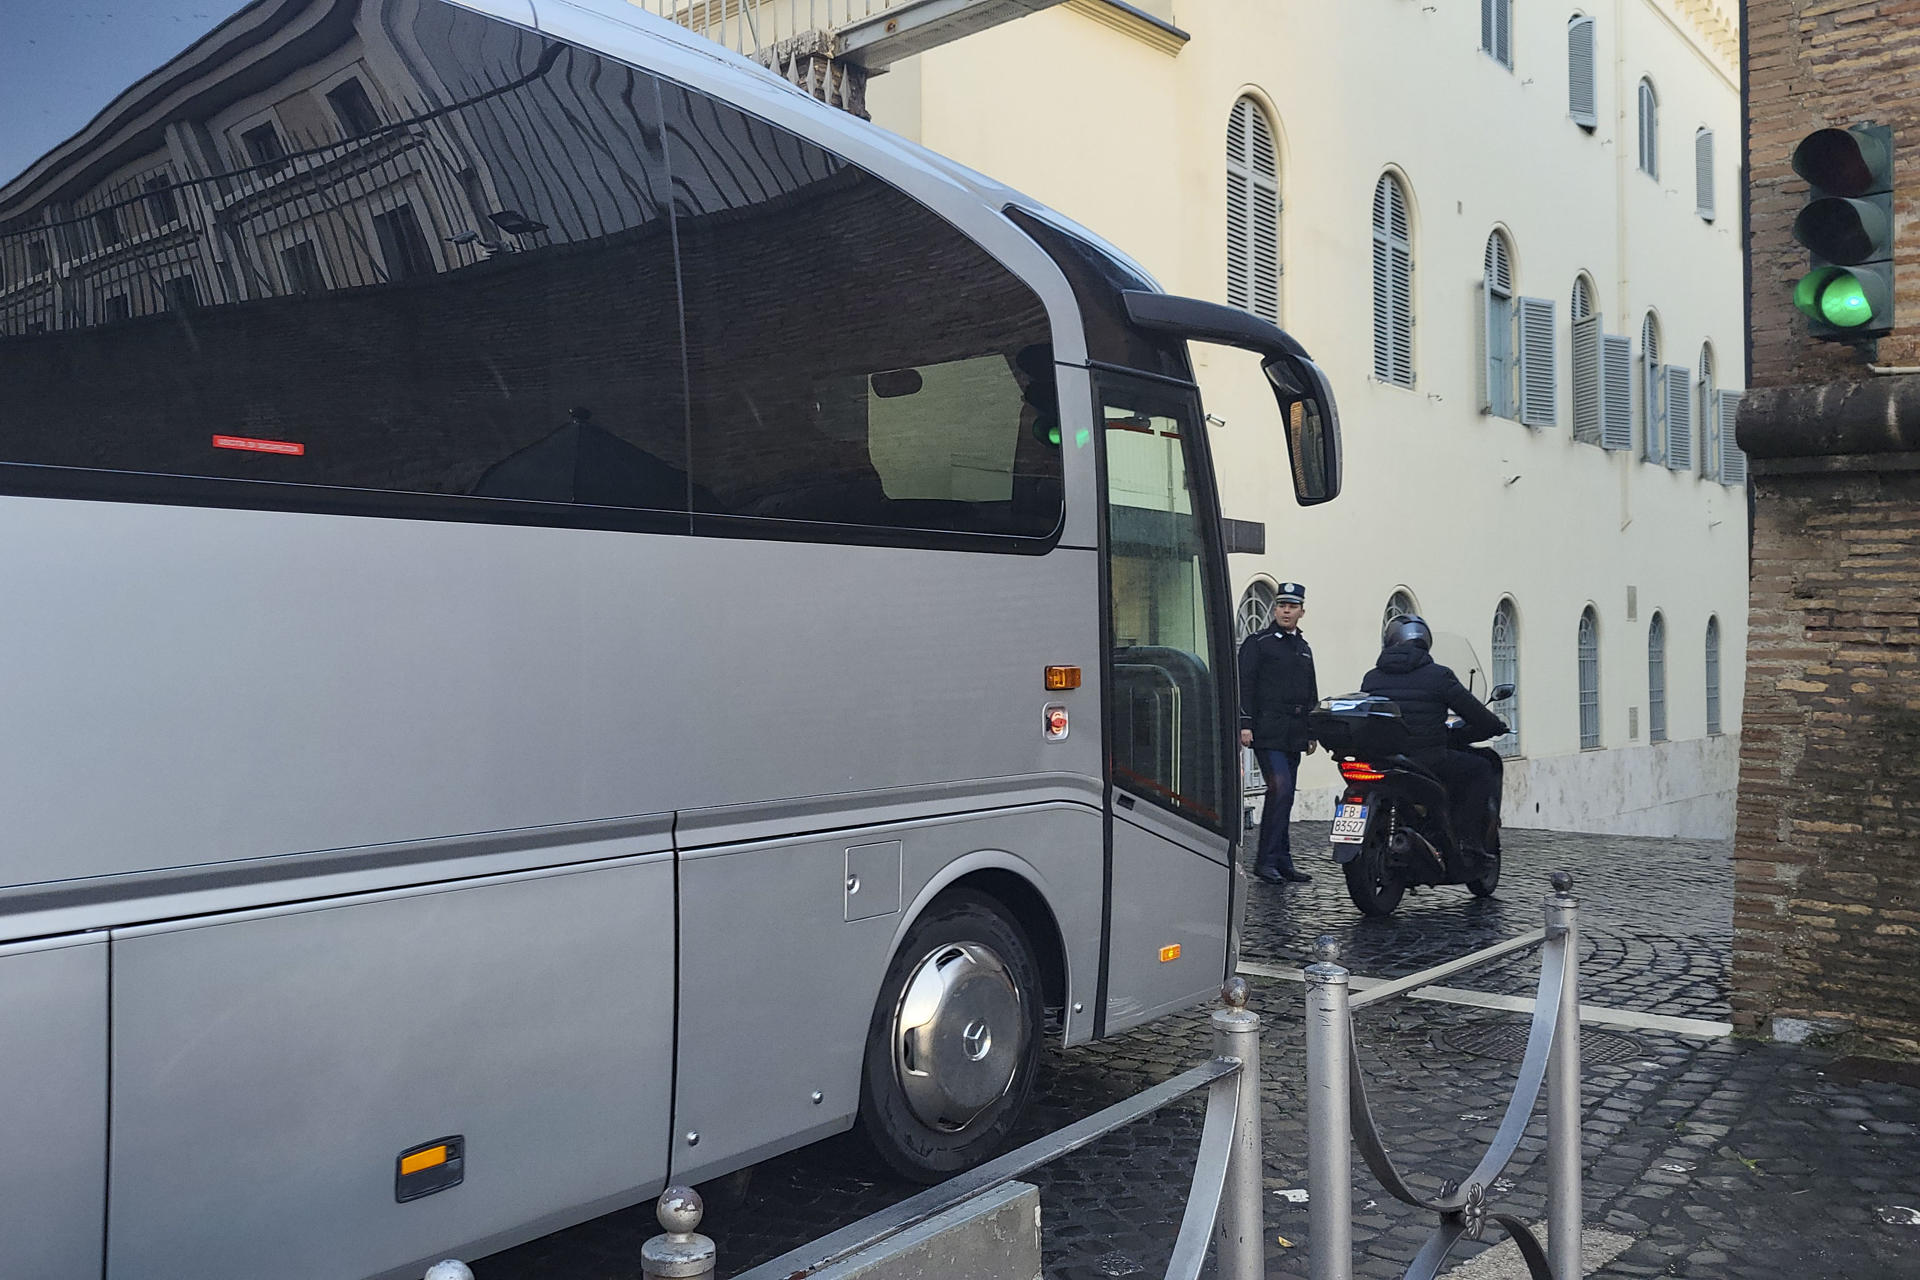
1350 824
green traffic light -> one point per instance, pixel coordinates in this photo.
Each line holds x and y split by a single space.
1844 303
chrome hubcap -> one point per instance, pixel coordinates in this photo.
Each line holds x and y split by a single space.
957 1035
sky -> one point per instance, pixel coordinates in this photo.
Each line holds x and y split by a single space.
61 61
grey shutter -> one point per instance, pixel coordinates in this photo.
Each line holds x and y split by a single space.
1649 131
1239 193
1587 387
1703 173
1539 389
1496 371
1582 100
1486 24
1616 392
1709 402
1652 394
1676 386
1264 233
1733 459
1392 286
1503 32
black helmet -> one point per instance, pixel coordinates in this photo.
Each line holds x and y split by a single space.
1408 628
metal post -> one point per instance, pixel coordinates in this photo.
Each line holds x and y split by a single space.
1563 1088
1329 1122
682 1253
1239 1237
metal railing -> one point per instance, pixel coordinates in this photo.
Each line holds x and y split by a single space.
752 27
1338 1116
1223 1204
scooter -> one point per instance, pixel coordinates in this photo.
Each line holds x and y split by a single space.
1393 826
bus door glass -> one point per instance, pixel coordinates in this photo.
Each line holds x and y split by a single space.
1164 696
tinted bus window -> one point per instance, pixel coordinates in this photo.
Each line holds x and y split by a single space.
429 254
852 358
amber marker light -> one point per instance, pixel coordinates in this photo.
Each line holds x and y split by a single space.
1170 953
431 1158
1063 678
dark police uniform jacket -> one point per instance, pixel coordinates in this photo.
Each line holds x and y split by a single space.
1277 688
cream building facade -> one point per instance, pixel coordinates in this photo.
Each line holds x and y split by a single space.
1520 160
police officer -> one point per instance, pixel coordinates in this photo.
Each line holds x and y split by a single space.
1277 690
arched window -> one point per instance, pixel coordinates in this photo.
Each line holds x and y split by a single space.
1399 604
1583 104
1652 419
1253 212
1506 670
1589 355
1707 414
1649 130
1657 679
1496 31
1713 676
1589 654
1392 284
1497 395
1256 609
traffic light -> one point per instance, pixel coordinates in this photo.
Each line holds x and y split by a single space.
1847 227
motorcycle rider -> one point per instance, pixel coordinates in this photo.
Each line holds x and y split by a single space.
1426 692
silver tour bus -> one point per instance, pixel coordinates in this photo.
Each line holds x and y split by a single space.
574 618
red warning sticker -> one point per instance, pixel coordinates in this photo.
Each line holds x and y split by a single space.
258 446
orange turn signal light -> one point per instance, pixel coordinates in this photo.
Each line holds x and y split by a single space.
1063 677
430 1158
1170 953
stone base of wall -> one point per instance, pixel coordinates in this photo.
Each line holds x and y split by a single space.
1662 789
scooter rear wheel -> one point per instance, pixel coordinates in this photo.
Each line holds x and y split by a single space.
1371 883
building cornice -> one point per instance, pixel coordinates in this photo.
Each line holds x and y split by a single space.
1711 26
1127 20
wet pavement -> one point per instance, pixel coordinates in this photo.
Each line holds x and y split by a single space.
1719 1157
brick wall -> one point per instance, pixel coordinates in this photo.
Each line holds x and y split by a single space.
1811 64
1827 858
1827 852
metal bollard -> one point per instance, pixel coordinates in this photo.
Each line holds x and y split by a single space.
682 1253
1563 1089
1329 1120
449 1269
1239 1243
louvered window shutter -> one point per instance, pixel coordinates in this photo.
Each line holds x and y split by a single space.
1649 132
1703 173
1587 394
1676 384
1253 212
1582 100
1652 377
1539 389
1503 32
1616 392
1733 459
1392 286
1486 24
1708 402
1239 200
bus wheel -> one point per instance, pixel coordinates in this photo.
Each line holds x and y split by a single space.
954 1040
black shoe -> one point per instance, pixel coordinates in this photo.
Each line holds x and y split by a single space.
1272 875
1297 877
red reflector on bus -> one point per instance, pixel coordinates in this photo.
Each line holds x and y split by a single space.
1359 771
258 446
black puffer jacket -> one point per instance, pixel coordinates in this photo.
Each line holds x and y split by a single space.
1277 688
1426 691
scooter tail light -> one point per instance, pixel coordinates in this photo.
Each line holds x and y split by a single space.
1360 771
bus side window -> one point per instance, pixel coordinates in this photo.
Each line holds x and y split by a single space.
852 358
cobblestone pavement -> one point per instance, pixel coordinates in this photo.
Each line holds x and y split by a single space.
1656 918
1720 1157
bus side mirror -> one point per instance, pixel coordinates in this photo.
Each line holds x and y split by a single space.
1312 424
